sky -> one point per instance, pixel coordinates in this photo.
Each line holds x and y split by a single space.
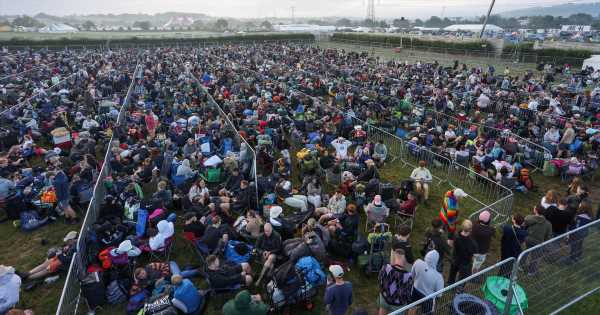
278 8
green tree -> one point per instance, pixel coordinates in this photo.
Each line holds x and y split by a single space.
145 25
221 25
581 19
419 22
266 25
26 21
434 21
198 25
344 22
401 23
88 25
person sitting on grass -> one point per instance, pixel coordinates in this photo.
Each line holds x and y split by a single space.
58 260
227 276
268 246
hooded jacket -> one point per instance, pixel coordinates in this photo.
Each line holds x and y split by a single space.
9 288
165 231
426 277
538 228
243 304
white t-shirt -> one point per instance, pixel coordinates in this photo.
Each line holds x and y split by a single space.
341 147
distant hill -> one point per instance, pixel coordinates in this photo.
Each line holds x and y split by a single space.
564 10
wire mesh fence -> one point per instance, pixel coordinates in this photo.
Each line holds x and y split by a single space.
70 297
557 273
467 296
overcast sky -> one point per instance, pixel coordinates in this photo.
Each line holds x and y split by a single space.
269 8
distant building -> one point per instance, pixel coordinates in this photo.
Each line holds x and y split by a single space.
576 28
58 28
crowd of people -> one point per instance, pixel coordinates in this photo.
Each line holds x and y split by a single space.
261 158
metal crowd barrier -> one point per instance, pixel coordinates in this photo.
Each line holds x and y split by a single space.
70 297
251 169
545 279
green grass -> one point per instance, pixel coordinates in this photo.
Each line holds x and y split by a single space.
24 250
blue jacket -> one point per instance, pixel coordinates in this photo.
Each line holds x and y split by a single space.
61 185
187 293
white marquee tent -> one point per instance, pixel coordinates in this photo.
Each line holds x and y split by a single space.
58 28
473 28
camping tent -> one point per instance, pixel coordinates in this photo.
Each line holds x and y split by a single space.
593 61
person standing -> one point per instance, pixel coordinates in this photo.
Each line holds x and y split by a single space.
482 234
427 279
338 295
539 230
449 209
464 249
395 283
513 238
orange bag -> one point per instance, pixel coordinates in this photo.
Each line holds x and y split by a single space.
49 196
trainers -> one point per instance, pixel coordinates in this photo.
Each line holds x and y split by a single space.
51 279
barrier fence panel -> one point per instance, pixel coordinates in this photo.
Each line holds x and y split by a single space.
70 297
248 160
484 192
555 274
468 296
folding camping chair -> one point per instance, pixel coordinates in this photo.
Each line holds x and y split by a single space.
163 253
404 218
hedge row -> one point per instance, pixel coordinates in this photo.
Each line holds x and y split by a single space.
63 41
559 56
416 43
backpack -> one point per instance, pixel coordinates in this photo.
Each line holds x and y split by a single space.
237 252
525 179
160 306
396 288
309 267
550 169
115 293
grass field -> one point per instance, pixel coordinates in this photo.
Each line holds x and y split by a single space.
414 56
24 250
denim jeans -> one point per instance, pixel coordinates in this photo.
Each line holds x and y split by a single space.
191 273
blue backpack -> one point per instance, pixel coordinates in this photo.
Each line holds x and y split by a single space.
236 253
140 225
227 146
310 268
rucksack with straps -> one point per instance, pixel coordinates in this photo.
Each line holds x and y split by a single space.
396 285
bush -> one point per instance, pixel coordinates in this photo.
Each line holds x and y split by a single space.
573 57
63 41
417 43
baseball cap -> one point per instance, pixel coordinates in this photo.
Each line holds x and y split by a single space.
336 271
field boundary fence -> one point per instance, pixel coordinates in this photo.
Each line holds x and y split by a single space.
546 278
70 297
454 53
